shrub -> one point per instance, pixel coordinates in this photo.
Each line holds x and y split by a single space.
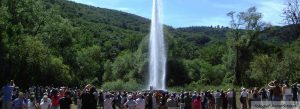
120 85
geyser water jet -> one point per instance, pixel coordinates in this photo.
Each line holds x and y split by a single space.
157 55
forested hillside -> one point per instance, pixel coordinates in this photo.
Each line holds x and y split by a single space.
61 42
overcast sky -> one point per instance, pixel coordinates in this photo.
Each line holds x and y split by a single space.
183 13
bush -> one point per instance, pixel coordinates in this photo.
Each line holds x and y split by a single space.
197 86
120 85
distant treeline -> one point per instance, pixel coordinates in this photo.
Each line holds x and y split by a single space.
62 42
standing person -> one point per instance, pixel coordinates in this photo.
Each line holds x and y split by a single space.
115 102
32 104
295 91
276 90
187 101
119 97
45 102
66 101
7 95
250 97
78 100
148 101
256 96
54 99
171 102
154 101
243 98
140 102
287 91
108 102
230 98
94 97
164 99
19 102
224 100
234 99
87 97
197 103
204 100
130 104
1 99
181 105
298 86
211 101
100 99
218 99
123 99
264 94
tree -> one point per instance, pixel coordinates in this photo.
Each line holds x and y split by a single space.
261 67
292 16
239 41
89 62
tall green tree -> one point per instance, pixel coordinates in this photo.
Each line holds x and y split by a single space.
240 41
261 67
292 17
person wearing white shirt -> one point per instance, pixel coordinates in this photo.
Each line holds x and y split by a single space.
31 102
218 99
45 102
243 99
287 92
230 98
130 104
140 102
108 101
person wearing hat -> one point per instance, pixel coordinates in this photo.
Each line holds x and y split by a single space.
243 98
19 102
45 102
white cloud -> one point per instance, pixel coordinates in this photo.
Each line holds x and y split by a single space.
272 11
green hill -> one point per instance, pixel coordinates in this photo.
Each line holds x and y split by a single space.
62 42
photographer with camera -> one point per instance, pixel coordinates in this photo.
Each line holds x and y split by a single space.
88 98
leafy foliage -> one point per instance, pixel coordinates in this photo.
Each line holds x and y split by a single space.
68 43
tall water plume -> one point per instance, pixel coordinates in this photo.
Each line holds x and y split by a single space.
157 65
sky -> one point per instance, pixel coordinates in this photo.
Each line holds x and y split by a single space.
184 13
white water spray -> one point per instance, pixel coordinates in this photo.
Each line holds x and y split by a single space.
157 65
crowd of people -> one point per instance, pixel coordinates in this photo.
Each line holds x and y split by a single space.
38 97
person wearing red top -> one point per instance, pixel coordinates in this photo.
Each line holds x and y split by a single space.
55 99
197 103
